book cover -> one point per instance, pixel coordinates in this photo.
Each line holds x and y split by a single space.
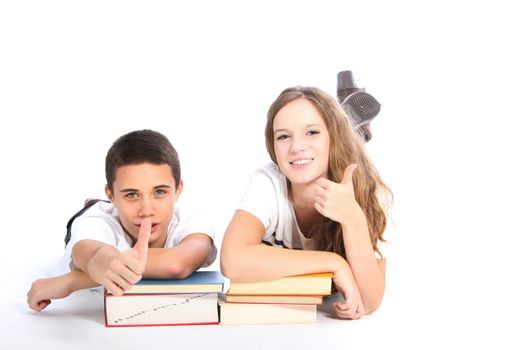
160 309
233 314
274 299
311 284
198 282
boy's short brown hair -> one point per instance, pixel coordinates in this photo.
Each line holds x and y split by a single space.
138 147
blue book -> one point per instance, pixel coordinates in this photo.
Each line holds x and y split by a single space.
198 282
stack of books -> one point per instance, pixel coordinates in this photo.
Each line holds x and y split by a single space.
284 300
167 302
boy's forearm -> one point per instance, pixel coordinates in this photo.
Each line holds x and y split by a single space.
80 280
85 250
180 261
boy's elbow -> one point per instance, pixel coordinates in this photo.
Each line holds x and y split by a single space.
179 271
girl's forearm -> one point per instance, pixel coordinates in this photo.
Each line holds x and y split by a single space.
259 261
369 273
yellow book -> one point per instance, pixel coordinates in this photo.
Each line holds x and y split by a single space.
311 284
274 299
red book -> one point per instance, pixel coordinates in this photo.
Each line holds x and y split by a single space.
160 309
188 301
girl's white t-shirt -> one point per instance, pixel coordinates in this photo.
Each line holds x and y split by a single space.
266 197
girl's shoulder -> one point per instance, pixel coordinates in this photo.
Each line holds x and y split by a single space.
268 177
269 169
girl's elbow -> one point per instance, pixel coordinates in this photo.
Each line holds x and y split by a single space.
231 267
227 268
371 306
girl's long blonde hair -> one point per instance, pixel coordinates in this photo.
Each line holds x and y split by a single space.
346 147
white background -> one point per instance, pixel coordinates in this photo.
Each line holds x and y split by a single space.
74 76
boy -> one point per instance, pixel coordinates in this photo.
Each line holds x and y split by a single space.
140 232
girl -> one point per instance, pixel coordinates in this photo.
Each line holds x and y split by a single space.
320 198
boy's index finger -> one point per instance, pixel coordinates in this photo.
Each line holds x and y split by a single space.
141 247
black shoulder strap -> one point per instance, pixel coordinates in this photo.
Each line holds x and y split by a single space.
89 203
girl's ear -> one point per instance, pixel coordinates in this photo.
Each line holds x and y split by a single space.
108 193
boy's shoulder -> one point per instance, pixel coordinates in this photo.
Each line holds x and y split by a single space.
100 208
186 209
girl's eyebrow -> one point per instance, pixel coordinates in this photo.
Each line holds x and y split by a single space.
279 130
306 126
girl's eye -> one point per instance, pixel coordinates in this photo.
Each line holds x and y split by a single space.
282 137
312 132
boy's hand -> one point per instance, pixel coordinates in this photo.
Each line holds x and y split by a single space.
45 289
353 305
119 271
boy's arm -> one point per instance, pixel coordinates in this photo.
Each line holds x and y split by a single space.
180 261
45 289
107 266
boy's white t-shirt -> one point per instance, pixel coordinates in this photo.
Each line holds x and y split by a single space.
266 197
100 223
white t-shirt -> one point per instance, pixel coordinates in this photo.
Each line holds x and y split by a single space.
100 223
266 197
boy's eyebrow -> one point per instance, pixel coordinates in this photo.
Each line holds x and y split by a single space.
306 126
129 190
136 190
161 186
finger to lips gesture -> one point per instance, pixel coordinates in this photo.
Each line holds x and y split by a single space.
140 249
335 200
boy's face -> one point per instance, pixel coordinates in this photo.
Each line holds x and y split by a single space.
145 191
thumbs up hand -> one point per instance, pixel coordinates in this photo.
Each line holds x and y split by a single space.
336 201
119 271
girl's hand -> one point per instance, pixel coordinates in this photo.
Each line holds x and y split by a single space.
337 201
352 307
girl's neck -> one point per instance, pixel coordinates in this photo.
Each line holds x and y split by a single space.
303 199
302 196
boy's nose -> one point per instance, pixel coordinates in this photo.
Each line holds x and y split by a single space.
146 208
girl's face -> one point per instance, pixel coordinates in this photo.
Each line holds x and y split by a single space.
301 142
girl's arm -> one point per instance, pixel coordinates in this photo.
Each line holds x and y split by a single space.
337 202
368 271
244 257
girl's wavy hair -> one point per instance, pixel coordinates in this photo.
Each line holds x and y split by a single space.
346 147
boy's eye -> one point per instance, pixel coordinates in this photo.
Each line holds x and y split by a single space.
282 137
132 195
160 193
